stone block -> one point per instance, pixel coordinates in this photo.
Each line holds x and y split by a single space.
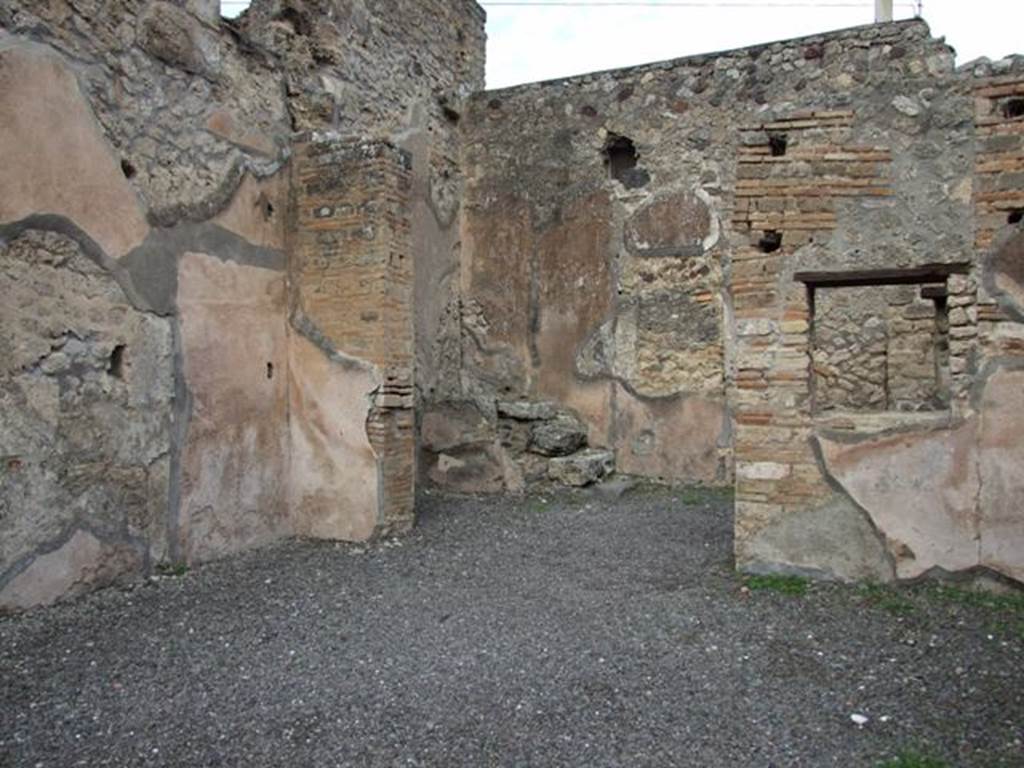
582 468
176 37
470 469
454 423
526 410
756 327
559 436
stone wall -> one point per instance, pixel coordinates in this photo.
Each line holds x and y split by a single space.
399 71
793 263
880 348
170 391
620 229
253 265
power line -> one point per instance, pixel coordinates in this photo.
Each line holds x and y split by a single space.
916 5
667 3
684 4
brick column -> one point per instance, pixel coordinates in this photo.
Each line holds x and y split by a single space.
352 277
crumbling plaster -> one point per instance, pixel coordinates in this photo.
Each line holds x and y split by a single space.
853 151
147 150
270 273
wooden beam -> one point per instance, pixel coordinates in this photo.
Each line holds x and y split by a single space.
929 273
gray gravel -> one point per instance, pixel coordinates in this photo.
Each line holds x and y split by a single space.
569 629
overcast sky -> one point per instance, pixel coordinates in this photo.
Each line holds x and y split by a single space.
539 43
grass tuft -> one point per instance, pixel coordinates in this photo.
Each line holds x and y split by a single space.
172 569
886 598
1004 612
796 586
1009 604
538 504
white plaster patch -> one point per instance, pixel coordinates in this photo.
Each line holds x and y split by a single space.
715 228
762 470
446 462
756 327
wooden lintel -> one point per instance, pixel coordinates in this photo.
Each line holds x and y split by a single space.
929 273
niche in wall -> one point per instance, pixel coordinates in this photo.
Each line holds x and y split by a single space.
880 339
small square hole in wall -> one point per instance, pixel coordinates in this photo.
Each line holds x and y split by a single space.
1012 108
778 143
770 241
115 365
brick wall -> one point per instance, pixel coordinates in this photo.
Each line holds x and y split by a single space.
351 273
791 174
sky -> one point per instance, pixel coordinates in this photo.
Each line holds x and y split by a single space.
545 42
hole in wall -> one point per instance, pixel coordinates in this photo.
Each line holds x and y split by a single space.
268 210
620 158
127 169
298 22
115 367
771 241
451 115
777 144
270 370
1015 216
1013 108
619 155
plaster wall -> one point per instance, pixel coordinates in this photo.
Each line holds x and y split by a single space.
260 269
164 400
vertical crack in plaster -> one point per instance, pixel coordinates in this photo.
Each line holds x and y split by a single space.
836 485
181 416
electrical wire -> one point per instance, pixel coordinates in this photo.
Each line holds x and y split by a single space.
917 5
680 4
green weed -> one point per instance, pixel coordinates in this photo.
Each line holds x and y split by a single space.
783 584
1011 604
886 598
172 569
537 504
1004 613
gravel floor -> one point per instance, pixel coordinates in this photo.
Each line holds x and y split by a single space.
570 629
